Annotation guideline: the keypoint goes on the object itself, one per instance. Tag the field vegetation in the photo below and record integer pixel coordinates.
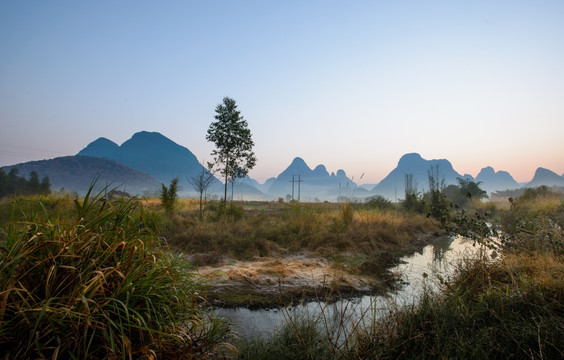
(108, 276)
(509, 306)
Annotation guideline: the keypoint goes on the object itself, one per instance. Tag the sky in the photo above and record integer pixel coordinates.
(353, 85)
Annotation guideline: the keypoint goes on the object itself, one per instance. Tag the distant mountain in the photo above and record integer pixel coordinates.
(266, 186)
(100, 147)
(78, 172)
(393, 185)
(367, 187)
(163, 159)
(151, 153)
(316, 183)
(494, 181)
(546, 177)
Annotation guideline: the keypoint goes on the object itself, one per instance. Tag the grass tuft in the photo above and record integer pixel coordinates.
(99, 284)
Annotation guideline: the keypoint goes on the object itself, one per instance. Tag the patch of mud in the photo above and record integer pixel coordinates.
(267, 282)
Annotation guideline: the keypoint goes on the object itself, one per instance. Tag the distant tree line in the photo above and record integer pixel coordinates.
(14, 184)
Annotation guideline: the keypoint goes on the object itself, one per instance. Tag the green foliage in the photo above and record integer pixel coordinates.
(224, 211)
(465, 191)
(13, 184)
(412, 201)
(98, 285)
(378, 202)
(234, 155)
(474, 226)
(169, 195)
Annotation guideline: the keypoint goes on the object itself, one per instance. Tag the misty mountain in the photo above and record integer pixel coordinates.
(163, 159)
(78, 172)
(393, 185)
(316, 183)
(151, 153)
(546, 177)
(100, 147)
(496, 180)
(266, 186)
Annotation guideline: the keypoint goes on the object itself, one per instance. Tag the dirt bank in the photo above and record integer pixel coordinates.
(268, 282)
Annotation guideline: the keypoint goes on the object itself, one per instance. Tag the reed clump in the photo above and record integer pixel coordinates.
(96, 283)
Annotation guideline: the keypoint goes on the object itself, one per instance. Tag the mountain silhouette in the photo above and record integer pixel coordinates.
(393, 185)
(151, 153)
(545, 177)
(163, 159)
(78, 172)
(492, 181)
(149, 158)
(100, 147)
(316, 183)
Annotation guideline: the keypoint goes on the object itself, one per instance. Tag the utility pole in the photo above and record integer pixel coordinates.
(299, 186)
(292, 181)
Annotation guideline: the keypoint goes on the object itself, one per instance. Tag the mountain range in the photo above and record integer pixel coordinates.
(147, 159)
(311, 184)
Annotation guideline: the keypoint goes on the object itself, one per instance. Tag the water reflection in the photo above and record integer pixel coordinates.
(417, 271)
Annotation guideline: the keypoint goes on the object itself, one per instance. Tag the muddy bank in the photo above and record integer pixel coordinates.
(284, 278)
(271, 282)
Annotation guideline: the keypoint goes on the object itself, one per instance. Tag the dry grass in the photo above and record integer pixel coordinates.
(511, 307)
(275, 229)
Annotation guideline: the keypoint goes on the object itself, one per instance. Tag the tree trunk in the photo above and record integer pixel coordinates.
(201, 206)
(225, 193)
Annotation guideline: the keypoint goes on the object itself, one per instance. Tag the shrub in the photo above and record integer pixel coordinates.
(378, 202)
(169, 195)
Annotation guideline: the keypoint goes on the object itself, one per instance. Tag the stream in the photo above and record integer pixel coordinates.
(417, 271)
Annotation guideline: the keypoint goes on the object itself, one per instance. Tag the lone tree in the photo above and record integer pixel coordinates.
(233, 156)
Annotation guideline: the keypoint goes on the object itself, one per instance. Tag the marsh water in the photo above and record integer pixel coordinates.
(419, 270)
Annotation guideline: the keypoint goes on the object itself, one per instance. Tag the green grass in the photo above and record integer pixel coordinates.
(96, 282)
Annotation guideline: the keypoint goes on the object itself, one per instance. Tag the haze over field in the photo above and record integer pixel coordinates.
(353, 85)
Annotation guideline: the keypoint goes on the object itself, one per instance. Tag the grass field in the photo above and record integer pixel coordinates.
(109, 278)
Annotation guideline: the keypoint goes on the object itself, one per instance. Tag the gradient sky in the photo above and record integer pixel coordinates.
(350, 84)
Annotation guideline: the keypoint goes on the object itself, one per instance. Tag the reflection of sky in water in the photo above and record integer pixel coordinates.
(432, 260)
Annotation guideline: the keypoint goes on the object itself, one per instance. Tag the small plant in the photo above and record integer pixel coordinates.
(169, 195)
(378, 202)
(201, 182)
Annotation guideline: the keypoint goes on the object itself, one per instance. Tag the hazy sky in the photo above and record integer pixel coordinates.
(350, 84)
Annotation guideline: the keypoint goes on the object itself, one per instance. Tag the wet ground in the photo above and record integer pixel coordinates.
(269, 282)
